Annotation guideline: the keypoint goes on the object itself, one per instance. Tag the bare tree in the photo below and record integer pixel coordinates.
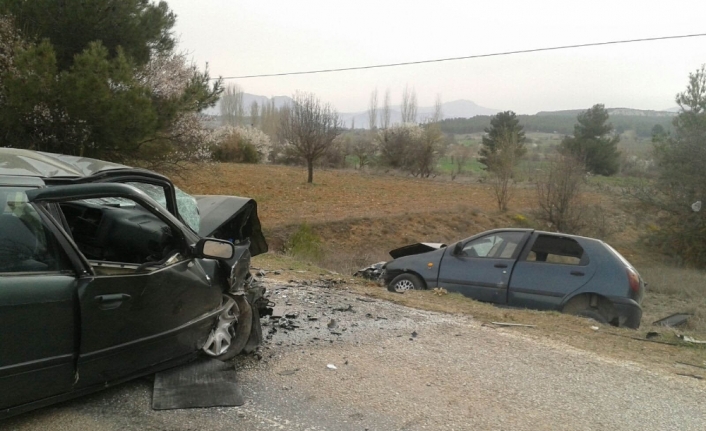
(270, 119)
(232, 111)
(501, 166)
(411, 148)
(373, 110)
(426, 153)
(409, 105)
(309, 128)
(559, 186)
(385, 113)
(460, 155)
(438, 110)
(254, 114)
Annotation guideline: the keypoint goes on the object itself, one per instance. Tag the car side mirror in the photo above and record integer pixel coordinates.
(458, 248)
(211, 248)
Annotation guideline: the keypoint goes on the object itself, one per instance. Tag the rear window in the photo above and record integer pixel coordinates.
(557, 249)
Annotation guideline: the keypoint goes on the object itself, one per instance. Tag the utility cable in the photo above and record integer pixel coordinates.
(439, 60)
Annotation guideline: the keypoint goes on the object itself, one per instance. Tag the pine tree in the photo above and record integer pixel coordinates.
(503, 125)
(594, 142)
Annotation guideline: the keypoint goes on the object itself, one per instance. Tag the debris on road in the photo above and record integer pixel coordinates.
(690, 375)
(513, 324)
(440, 291)
(365, 300)
(202, 383)
(691, 365)
(331, 367)
(692, 340)
(372, 272)
(677, 319)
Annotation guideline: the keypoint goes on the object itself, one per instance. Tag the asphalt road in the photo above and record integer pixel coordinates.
(403, 369)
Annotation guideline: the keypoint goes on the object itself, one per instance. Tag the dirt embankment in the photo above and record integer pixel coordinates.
(360, 216)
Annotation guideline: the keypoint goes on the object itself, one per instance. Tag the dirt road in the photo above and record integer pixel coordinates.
(402, 369)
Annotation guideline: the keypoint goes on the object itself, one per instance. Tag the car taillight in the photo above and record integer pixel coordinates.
(634, 280)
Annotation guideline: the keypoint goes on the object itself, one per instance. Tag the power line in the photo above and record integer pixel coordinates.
(439, 60)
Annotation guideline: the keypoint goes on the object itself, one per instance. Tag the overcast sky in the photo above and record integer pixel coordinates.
(271, 36)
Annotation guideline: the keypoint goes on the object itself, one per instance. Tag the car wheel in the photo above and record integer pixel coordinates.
(405, 282)
(593, 314)
(232, 330)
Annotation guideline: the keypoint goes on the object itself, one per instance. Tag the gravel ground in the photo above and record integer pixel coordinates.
(402, 369)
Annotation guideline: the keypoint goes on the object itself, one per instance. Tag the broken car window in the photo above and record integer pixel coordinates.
(557, 249)
(186, 204)
(126, 233)
(499, 245)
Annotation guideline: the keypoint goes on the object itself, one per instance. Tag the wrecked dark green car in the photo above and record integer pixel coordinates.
(108, 273)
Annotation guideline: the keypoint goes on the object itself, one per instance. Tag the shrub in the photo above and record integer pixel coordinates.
(304, 244)
(241, 145)
(559, 187)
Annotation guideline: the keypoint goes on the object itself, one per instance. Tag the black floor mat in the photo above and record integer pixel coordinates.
(203, 383)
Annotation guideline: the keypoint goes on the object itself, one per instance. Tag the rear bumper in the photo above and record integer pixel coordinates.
(628, 312)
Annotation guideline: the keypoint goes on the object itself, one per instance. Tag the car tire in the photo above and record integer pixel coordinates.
(242, 329)
(592, 314)
(405, 282)
(236, 321)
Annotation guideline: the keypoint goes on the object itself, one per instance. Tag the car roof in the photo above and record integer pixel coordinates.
(541, 232)
(28, 163)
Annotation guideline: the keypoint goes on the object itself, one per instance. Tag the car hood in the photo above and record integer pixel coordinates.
(231, 218)
(418, 248)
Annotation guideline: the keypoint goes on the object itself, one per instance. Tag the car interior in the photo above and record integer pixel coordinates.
(119, 235)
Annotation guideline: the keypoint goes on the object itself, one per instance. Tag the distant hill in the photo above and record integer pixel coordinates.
(455, 109)
(612, 111)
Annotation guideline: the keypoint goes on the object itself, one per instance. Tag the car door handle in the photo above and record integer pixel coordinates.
(111, 302)
(501, 265)
(577, 273)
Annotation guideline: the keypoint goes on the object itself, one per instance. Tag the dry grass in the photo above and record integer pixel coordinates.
(284, 198)
(673, 290)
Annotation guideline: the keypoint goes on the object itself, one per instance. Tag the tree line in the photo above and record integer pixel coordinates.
(310, 132)
(561, 124)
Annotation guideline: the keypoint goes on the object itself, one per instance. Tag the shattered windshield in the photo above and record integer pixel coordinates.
(186, 204)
